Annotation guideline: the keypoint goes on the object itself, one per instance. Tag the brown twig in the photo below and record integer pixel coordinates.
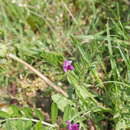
(58, 89)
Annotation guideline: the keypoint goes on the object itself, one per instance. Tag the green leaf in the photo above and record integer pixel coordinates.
(81, 90)
(3, 50)
(52, 58)
(28, 125)
(121, 125)
(61, 101)
(35, 22)
(27, 112)
(4, 114)
(54, 112)
(38, 126)
(39, 114)
(19, 124)
(67, 113)
(8, 125)
(15, 110)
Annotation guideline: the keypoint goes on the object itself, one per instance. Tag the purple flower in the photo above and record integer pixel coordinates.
(71, 126)
(67, 65)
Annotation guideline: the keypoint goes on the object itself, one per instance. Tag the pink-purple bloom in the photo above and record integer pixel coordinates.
(73, 126)
(68, 65)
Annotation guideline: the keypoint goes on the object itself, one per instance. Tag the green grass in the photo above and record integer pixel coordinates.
(94, 34)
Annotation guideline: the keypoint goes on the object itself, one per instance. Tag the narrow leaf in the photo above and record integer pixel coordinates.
(4, 114)
(54, 112)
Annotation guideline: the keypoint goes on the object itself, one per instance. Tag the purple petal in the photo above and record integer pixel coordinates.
(68, 122)
(70, 67)
(67, 65)
(65, 69)
(71, 126)
(75, 127)
(67, 62)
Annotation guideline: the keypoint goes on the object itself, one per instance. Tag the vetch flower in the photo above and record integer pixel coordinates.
(68, 65)
(71, 126)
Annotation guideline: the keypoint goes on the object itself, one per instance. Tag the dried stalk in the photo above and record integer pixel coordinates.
(50, 83)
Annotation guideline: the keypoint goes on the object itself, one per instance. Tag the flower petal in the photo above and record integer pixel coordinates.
(71, 126)
(70, 67)
(67, 65)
